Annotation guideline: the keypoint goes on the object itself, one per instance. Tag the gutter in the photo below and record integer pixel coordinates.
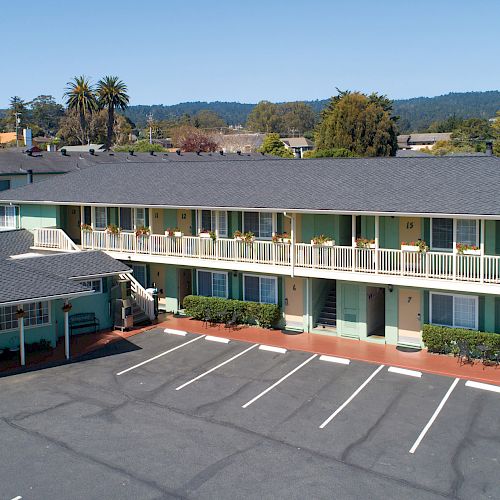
(49, 297)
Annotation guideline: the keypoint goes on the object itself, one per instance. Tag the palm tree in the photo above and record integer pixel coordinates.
(112, 94)
(80, 97)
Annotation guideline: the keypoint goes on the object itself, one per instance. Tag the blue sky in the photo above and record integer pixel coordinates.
(174, 51)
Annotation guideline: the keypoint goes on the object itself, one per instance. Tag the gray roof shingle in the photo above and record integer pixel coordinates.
(418, 185)
(15, 242)
(75, 264)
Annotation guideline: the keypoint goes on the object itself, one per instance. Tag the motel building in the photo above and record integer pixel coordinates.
(365, 248)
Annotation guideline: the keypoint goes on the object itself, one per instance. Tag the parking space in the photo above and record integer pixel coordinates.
(181, 412)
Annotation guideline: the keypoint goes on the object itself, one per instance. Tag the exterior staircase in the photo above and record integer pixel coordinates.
(140, 317)
(328, 316)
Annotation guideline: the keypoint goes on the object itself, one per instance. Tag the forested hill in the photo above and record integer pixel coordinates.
(416, 114)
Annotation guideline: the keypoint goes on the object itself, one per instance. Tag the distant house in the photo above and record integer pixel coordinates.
(298, 145)
(245, 143)
(421, 141)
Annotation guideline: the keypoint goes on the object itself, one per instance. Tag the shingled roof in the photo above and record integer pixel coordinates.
(422, 185)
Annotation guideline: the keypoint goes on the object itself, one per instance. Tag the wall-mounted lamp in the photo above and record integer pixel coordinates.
(390, 288)
(235, 274)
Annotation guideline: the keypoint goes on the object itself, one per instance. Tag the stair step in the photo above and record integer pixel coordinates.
(327, 323)
(328, 315)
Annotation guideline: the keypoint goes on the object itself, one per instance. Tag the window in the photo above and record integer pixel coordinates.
(259, 223)
(96, 284)
(442, 234)
(37, 313)
(140, 217)
(126, 219)
(260, 289)
(4, 185)
(213, 220)
(101, 217)
(467, 232)
(8, 216)
(87, 215)
(459, 311)
(212, 284)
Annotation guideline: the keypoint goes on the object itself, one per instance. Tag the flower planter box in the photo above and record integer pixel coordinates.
(204, 235)
(471, 252)
(178, 234)
(330, 243)
(286, 240)
(410, 248)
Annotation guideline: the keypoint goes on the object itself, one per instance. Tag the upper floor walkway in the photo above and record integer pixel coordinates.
(471, 271)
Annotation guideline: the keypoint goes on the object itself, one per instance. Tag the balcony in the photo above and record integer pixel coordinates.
(442, 270)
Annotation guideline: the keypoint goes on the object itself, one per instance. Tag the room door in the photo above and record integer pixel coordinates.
(409, 323)
(74, 223)
(410, 229)
(185, 284)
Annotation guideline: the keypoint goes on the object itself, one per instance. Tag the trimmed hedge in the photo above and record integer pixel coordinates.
(265, 315)
(443, 339)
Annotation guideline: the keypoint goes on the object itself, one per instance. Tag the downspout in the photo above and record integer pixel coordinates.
(292, 244)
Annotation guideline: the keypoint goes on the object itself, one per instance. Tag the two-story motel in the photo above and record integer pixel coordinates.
(381, 291)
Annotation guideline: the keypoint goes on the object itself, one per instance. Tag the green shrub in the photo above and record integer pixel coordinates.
(443, 339)
(265, 315)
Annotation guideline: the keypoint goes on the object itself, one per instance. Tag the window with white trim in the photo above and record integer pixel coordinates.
(261, 224)
(100, 217)
(212, 284)
(8, 216)
(458, 311)
(126, 220)
(37, 314)
(95, 285)
(442, 233)
(213, 220)
(140, 217)
(260, 289)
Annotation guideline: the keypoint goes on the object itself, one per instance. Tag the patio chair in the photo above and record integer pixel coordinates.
(232, 321)
(464, 352)
(207, 318)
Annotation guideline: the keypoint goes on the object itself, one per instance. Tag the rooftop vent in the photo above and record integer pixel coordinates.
(489, 148)
(198, 152)
(178, 152)
(63, 152)
(152, 153)
(29, 152)
(29, 176)
(92, 151)
(131, 152)
(238, 152)
(221, 152)
(262, 153)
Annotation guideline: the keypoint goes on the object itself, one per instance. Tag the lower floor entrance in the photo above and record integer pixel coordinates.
(409, 316)
(375, 311)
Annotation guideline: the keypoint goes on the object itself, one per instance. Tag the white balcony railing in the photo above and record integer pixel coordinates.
(54, 239)
(431, 265)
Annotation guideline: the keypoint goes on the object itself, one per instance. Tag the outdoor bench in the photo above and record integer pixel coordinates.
(83, 320)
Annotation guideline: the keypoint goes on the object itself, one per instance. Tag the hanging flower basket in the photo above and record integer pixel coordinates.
(20, 313)
(67, 307)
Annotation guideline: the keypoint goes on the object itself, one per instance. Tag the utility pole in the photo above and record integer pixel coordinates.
(150, 121)
(18, 121)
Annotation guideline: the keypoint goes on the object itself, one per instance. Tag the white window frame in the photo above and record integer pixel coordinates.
(135, 218)
(454, 234)
(16, 217)
(94, 219)
(454, 295)
(143, 266)
(25, 307)
(214, 217)
(90, 284)
(260, 276)
(273, 228)
(132, 216)
(198, 271)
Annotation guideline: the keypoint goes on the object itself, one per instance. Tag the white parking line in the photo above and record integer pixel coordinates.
(271, 348)
(404, 371)
(216, 367)
(270, 388)
(172, 331)
(434, 416)
(484, 387)
(17, 498)
(334, 359)
(159, 355)
(355, 393)
(217, 339)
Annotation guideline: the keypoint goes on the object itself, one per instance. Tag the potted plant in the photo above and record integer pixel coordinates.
(204, 233)
(365, 243)
(112, 229)
(414, 246)
(464, 249)
(281, 238)
(86, 228)
(142, 231)
(20, 313)
(169, 232)
(248, 237)
(322, 240)
(67, 307)
(238, 235)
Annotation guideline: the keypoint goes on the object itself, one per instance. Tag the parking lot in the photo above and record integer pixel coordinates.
(164, 415)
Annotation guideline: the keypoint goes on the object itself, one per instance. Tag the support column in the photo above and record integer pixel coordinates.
(66, 333)
(353, 242)
(292, 247)
(481, 246)
(21, 339)
(377, 242)
(455, 258)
